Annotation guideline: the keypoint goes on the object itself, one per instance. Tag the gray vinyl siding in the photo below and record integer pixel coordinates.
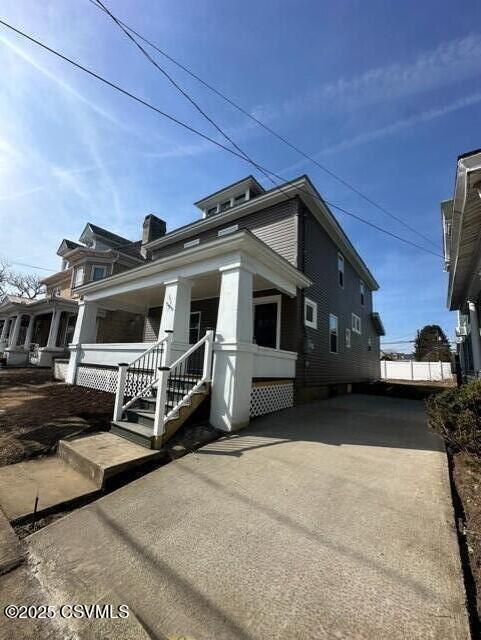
(317, 365)
(208, 318)
(276, 226)
(120, 326)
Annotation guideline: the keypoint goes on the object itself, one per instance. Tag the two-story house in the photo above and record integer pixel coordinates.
(461, 222)
(36, 331)
(266, 280)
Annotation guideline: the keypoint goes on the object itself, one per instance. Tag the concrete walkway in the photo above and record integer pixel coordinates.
(332, 520)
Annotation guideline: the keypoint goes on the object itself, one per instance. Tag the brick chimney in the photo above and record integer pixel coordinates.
(152, 229)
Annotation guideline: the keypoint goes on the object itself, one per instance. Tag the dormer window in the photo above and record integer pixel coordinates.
(240, 198)
(230, 196)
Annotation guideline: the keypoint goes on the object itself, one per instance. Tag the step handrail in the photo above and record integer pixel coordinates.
(125, 368)
(189, 351)
(161, 415)
(152, 346)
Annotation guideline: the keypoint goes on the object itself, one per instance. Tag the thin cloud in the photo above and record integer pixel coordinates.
(443, 65)
(61, 83)
(390, 129)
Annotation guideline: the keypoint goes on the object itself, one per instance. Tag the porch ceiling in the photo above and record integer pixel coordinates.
(203, 287)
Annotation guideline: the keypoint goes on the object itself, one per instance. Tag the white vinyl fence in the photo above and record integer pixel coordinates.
(411, 370)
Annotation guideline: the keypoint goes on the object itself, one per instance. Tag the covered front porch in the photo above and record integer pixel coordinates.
(234, 287)
(34, 332)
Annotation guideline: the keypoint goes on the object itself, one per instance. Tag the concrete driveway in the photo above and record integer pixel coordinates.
(331, 520)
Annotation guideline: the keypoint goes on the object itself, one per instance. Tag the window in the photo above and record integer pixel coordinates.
(348, 338)
(194, 327)
(227, 230)
(340, 269)
(225, 205)
(99, 271)
(212, 210)
(78, 276)
(362, 291)
(333, 333)
(310, 313)
(240, 198)
(56, 291)
(191, 243)
(267, 321)
(369, 344)
(356, 323)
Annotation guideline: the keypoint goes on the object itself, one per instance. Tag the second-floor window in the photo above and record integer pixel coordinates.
(340, 269)
(333, 333)
(99, 271)
(356, 323)
(362, 291)
(78, 276)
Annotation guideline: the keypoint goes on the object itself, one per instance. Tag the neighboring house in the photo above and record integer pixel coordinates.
(268, 277)
(37, 331)
(396, 355)
(461, 220)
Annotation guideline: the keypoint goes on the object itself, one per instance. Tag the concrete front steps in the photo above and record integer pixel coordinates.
(79, 471)
(138, 425)
(104, 455)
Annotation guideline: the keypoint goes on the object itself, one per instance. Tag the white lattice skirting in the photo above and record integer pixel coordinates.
(270, 398)
(99, 378)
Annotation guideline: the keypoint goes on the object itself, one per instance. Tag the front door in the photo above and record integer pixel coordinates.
(265, 324)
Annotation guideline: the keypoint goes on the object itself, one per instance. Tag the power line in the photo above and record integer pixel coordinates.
(31, 266)
(259, 122)
(203, 135)
(102, 6)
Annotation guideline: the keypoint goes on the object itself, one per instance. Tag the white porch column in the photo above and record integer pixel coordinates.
(3, 336)
(16, 330)
(85, 332)
(233, 359)
(475, 338)
(176, 310)
(54, 325)
(29, 334)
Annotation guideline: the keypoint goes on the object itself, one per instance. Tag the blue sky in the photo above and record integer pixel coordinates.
(386, 94)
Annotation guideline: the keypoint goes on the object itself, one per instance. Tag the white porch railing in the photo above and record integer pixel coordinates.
(174, 383)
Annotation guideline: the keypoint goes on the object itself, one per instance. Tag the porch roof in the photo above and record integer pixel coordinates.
(16, 304)
(241, 247)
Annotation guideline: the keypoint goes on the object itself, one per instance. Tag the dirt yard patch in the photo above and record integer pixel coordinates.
(466, 473)
(36, 412)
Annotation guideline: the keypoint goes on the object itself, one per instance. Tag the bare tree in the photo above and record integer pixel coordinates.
(4, 272)
(27, 285)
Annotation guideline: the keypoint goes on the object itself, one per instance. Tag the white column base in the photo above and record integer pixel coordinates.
(16, 357)
(72, 364)
(231, 386)
(45, 356)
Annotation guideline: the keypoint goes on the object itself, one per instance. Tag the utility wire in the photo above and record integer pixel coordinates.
(124, 30)
(203, 135)
(259, 122)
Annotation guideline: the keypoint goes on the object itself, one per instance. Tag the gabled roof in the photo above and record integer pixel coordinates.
(93, 229)
(67, 245)
(301, 187)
